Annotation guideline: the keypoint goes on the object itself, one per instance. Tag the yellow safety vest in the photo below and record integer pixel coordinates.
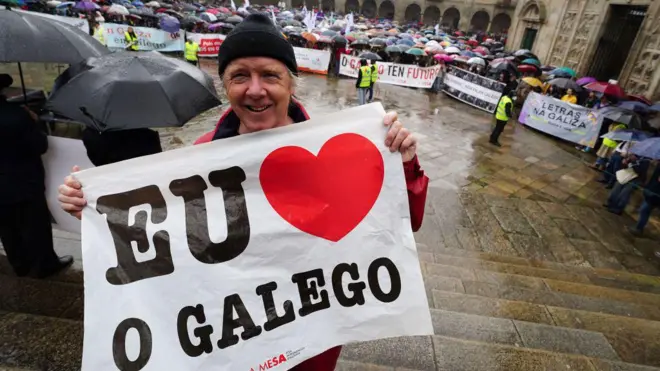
(366, 77)
(131, 39)
(191, 51)
(500, 114)
(374, 73)
(609, 142)
(98, 35)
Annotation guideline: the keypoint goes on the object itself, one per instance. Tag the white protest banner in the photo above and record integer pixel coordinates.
(250, 253)
(312, 60)
(563, 120)
(79, 23)
(209, 43)
(62, 155)
(393, 73)
(473, 89)
(148, 38)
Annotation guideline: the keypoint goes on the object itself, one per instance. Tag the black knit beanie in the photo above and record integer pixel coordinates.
(256, 36)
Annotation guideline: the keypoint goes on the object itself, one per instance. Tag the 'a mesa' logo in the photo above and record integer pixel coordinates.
(270, 363)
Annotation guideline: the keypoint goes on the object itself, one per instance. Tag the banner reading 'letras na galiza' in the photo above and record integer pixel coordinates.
(393, 73)
(567, 121)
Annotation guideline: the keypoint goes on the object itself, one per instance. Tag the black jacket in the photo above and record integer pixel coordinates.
(115, 146)
(22, 143)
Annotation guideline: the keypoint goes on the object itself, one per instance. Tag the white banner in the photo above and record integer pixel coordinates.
(563, 120)
(312, 60)
(473, 89)
(79, 23)
(148, 38)
(209, 43)
(250, 253)
(62, 155)
(392, 73)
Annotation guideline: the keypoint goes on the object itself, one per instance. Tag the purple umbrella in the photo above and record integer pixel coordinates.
(169, 24)
(215, 26)
(585, 80)
(87, 6)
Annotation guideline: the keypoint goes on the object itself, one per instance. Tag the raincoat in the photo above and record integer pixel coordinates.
(416, 183)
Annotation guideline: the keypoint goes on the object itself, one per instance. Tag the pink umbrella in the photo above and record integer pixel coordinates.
(443, 57)
(213, 11)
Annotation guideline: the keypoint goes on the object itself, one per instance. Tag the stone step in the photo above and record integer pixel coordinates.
(554, 287)
(512, 265)
(451, 354)
(30, 342)
(635, 340)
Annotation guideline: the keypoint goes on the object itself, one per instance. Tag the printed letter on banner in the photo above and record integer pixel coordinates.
(254, 252)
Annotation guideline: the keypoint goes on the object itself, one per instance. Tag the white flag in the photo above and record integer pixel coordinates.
(304, 9)
(233, 5)
(247, 3)
(437, 30)
(272, 14)
(349, 23)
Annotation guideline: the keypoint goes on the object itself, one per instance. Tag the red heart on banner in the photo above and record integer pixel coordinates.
(326, 195)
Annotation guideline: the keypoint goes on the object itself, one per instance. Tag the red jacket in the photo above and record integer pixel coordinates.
(416, 182)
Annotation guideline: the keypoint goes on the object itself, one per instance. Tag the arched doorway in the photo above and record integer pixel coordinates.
(480, 21)
(500, 23)
(352, 6)
(530, 19)
(369, 8)
(328, 5)
(413, 13)
(451, 17)
(386, 10)
(431, 15)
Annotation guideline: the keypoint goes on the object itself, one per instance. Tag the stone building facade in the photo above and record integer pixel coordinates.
(615, 39)
(485, 15)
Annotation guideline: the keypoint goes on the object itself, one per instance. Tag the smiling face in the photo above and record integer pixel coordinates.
(569, 92)
(259, 90)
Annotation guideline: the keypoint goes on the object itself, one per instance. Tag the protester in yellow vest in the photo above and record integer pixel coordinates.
(98, 33)
(363, 81)
(569, 97)
(374, 78)
(191, 49)
(131, 39)
(607, 148)
(503, 113)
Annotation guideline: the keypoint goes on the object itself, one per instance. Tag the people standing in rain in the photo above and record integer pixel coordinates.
(259, 71)
(503, 113)
(553, 92)
(607, 148)
(190, 52)
(363, 81)
(651, 201)
(592, 101)
(99, 34)
(25, 222)
(569, 97)
(620, 194)
(374, 78)
(131, 39)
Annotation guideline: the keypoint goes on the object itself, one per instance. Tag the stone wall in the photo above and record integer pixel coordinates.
(569, 31)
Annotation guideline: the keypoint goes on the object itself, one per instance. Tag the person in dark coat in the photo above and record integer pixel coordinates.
(651, 201)
(25, 221)
(115, 146)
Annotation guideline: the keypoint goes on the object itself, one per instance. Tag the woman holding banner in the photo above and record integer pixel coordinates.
(258, 70)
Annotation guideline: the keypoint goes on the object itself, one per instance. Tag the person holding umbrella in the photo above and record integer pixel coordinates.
(258, 70)
(374, 78)
(131, 40)
(25, 224)
(191, 50)
(363, 82)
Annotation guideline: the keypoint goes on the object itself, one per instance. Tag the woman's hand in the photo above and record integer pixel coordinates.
(399, 138)
(71, 197)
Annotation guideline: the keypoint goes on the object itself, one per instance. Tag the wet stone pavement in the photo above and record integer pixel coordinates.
(524, 269)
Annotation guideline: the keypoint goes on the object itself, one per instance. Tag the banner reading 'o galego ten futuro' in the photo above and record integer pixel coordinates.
(250, 253)
(393, 73)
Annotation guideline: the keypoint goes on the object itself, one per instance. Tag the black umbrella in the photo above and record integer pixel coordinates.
(565, 84)
(191, 20)
(377, 42)
(339, 40)
(624, 116)
(234, 19)
(503, 66)
(126, 90)
(28, 38)
(370, 56)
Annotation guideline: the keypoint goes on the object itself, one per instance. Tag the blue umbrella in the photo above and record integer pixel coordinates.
(138, 3)
(627, 135)
(638, 107)
(655, 107)
(169, 24)
(648, 148)
(407, 42)
(65, 4)
(560, 73)
(469, 54)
